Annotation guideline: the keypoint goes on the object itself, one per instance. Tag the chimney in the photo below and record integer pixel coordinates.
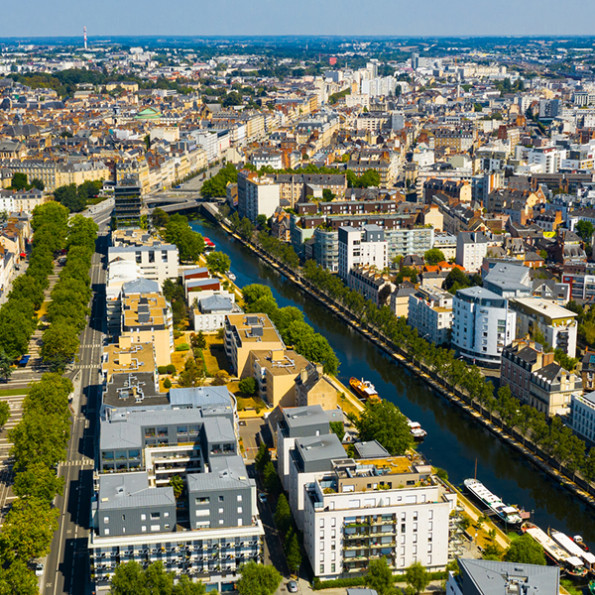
(304, 375)
(548, 358)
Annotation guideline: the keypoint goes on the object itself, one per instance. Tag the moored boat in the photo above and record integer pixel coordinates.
(572, 565)
(364, 389)
(574, 549)
(417, 431)
(578, 539)
(509, 514)
(209, 246)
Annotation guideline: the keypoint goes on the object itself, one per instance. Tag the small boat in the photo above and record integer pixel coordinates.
(231, 276)
(209, 246)
(572, 565)
(364, 389)
(417, 431)
(509, 514)
(579, 541)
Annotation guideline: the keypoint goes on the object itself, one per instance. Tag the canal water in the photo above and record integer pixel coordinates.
(454, 442)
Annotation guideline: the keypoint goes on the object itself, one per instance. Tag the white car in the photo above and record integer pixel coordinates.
(39, 569)
(262, 498)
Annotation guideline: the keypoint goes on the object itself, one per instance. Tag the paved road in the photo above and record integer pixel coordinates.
(67, 566)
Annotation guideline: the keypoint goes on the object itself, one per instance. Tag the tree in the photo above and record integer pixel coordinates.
(417, 577)
(17, 577)
(282, 514)
(384, 422)
(218, 262)
(191, 375)
(185, 586)
(255, 291)
(197, 340)
(38, 481)
(584, 230)
(5, 365)
(159, 217)
(70, 198)
(263, 456)
(128, 579)
(257, 579)
(327, 194)
(434, 256)
(270, 478)
(60, 343)
(177, 483)
(19, 181)
(262, 221)
(38, 184)
(246, 229)
(491, 552)
(248, 386)
(525, 550)
(456, 280)
(28, 529)
(293, 552)
(4, 413)
(338, 428)
(380, 577)
(190, 243)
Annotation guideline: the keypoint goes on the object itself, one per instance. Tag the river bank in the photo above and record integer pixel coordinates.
(536, 458)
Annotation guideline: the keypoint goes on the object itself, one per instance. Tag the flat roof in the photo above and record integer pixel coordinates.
(544, 307)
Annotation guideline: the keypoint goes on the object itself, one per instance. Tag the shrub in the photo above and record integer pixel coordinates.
(171, 369)
(167, 383)
(162, 370)
(182, 347)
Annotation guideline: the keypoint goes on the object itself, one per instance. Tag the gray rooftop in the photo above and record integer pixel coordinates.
(488, 577)
(320, 448)
(131, 490)
(218, 429)
(215, 303)
(370, 450)
(140, 286)
(212, 400)
(226, 472)
(506, 277)
(296, 417)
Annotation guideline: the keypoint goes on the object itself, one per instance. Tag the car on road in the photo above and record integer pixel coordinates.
(262, 498)
(292, 586)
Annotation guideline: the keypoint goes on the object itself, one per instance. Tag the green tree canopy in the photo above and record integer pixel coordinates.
(60, 343)
(282, 514)
(218, 262)
(584, 230)
(255, 291)
(39, 482)
(257, 579)
(380, 577)
(417, 577)
(190, 243)
(434, 256)
(384, 422)
(248, 386)
(19, 181)
(525, 550)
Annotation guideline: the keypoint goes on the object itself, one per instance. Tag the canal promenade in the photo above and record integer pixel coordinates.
(537, 458)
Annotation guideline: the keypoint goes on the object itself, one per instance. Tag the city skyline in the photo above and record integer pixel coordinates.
(267, 17)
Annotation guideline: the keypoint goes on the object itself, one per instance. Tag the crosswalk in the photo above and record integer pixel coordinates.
(84, 462)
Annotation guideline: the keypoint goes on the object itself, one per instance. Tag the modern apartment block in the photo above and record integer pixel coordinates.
(257, 195)
(482, 326)
(557, 324)
(245, 333)
(430, 312)
(472, 247)
(582, 415)
(128, 205)
(208, 531)
(157, 263)
(365, 246)
(352, 510)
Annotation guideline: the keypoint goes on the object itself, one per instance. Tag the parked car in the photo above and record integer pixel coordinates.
(262, 498)
(39, 569)
(292, 586)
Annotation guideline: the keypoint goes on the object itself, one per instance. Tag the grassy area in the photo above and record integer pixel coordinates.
(13, 392)
(214, 355)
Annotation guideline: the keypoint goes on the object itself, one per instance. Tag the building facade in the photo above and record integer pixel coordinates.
(430, 312)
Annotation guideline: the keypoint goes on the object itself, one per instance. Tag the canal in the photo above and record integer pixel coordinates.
(454, 442)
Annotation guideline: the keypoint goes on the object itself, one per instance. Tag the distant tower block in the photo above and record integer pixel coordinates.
(85, 35)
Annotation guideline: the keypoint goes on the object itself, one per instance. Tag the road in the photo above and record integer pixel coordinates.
(67, 566)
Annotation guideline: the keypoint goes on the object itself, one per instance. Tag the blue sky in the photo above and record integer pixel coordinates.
(308, 17)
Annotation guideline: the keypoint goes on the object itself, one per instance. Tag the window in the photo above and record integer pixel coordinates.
(155, 515)
(143, 528)
(143, 517)
(321, 568)
(240, 510)
(221, 511)
(106, 531)
(155, 527)
(106, 519)
(239, 498)
(221, 498)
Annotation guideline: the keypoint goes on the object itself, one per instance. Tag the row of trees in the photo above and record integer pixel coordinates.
(177, 231)
(132, 578)
(20, 182)
(39, 443)
(531, 425)
(69, 308)
(17, 315)
(290, 324)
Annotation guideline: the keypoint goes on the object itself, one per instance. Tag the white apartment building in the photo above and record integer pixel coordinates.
(430, 312)
(157, 263)
(582, 415)
(262, 197)
(557, 324)
(472, 248)
(482, 326)
(365, 246)
(353, 510)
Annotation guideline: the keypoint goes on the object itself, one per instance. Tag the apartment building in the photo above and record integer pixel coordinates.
(482, 326)
(125, 357)
(245, 333)
(147, 318)
(472, 248)
(352, 510)
(119, 272)
(365, 246)
(557, 324)
(213, 527)
(156, 262)
(128, 205)
(210, 310)
(276, 371)
(372, 284)
(430, 312)
(582, 415)
(536, 379)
